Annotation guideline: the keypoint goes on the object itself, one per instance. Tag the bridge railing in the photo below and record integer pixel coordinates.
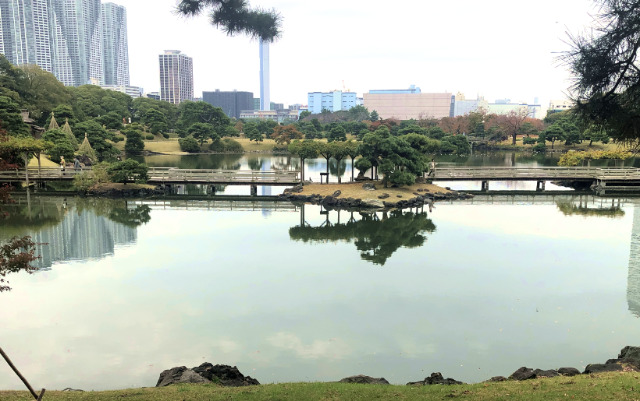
(42, 173)
(169, 174)
(536, 172)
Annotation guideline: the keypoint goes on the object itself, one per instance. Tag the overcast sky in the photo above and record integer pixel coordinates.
(494, 48)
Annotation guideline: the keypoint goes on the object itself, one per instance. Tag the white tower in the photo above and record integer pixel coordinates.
(265, 90)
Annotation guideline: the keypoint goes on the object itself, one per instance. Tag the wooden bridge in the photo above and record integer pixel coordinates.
(169, 175)
(618, 179)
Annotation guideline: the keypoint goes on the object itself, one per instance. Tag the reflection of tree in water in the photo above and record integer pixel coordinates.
(31, 217)
(377, 238)
(131, 217)
(633, 278)
(255, 163)
(569, 209)
(337, 170)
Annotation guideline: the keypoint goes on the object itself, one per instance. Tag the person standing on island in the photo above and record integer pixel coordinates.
(432, 168)
(76, 164)
(62, 164)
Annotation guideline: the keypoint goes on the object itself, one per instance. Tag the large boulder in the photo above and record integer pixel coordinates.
(435, 378)
(546, 373)
(568, 371)
(523, 373)
(179, 375)
(602, 367)
(226, 375)
(630, 355)
(362, 379)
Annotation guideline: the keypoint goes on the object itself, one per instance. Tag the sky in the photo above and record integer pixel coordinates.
(495, 48)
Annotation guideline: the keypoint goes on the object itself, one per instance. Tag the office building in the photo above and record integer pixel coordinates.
(280, 116)
(231, 102)
(265, 88)
(506, 106)
(176, 77)
(331, 101)
(406, 104)
(556, 106)
(115, 45)
(133, 91)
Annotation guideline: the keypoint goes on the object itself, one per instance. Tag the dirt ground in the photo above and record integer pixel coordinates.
(355, 190)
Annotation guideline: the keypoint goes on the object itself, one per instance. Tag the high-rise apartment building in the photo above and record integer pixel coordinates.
(67, 38)
(265, 88)
(176, 77)
(331, 101)
(115, 45)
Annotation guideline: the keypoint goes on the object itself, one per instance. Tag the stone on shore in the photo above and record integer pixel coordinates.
(179, 375)
(602, 367)
(568, 371)
(435, 378)
(523, 373)
(224, 375)
(362, 379)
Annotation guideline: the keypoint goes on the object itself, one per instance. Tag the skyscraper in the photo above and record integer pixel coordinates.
(176, 77)
(115, 45)
(65, 37)
(265, 89)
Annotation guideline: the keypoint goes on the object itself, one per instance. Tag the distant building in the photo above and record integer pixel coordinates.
(504, 106)
(331, 101)
(560, 105)
(115, 45)
(153, 95)
(256, 103)
(279, 116)
(133, 91)
(406, 104)
(176, 77)
(231, 102)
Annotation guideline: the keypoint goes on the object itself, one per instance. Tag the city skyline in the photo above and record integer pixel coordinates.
(492, 49)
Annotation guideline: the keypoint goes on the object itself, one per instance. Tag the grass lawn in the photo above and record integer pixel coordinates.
(607, 386)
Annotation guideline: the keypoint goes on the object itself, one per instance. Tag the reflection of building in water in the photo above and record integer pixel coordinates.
(82, 235)
(266, 190)
(633, 280)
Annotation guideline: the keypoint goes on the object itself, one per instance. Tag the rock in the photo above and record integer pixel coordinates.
(383, 196)
(369, 186)
(373, 203)
(72, 389)
(435, 378)
(362, 379)
(179, 375)
(226, 375)
(546, 373)
(497, 379)
(399, 196)
(568, 371)
(602, 367)
(630, 355)
(523, 373)
(337, 193)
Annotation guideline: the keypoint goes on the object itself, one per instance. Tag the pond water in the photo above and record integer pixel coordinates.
(472, 289)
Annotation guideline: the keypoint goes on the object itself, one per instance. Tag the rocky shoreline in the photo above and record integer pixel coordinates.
(380, 201)
(628, 360)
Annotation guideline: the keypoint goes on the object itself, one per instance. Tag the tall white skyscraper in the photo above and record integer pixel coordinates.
(67, 38)
(265, 89)
(115, 45)
(176, 77)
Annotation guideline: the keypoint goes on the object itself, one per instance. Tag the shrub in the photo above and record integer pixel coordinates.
(529, 140)
(87, 179)
(189, 144)
(128, 171)
(149, 137)
(118, 138)
(165, 135)
(540, 147)
(226, 145)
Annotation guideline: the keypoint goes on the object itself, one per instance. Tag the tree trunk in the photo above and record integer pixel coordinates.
(301, 169)
(26, 168)
(514, 138)
(352, 167)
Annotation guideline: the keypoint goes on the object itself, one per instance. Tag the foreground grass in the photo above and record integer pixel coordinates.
(610, 386)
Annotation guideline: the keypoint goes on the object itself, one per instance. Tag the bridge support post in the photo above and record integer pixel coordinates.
(540, 185)
(485, 186)
(254, 190)
(212, 189)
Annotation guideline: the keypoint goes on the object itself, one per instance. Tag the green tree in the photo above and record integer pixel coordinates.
(339, 152)
(134, 144)
(201, 112)
(374, 116)
(60, 145)
(128, 171)
(604, 62)
(98, 137)
(304, 114)
(304, 150)
(41, 92)
(111, 120)
(553, 133)
(337, 133)
(352, 149)
(202, 132)
(235, 17)
(251, 131)
(11, 118)
(326, 151)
